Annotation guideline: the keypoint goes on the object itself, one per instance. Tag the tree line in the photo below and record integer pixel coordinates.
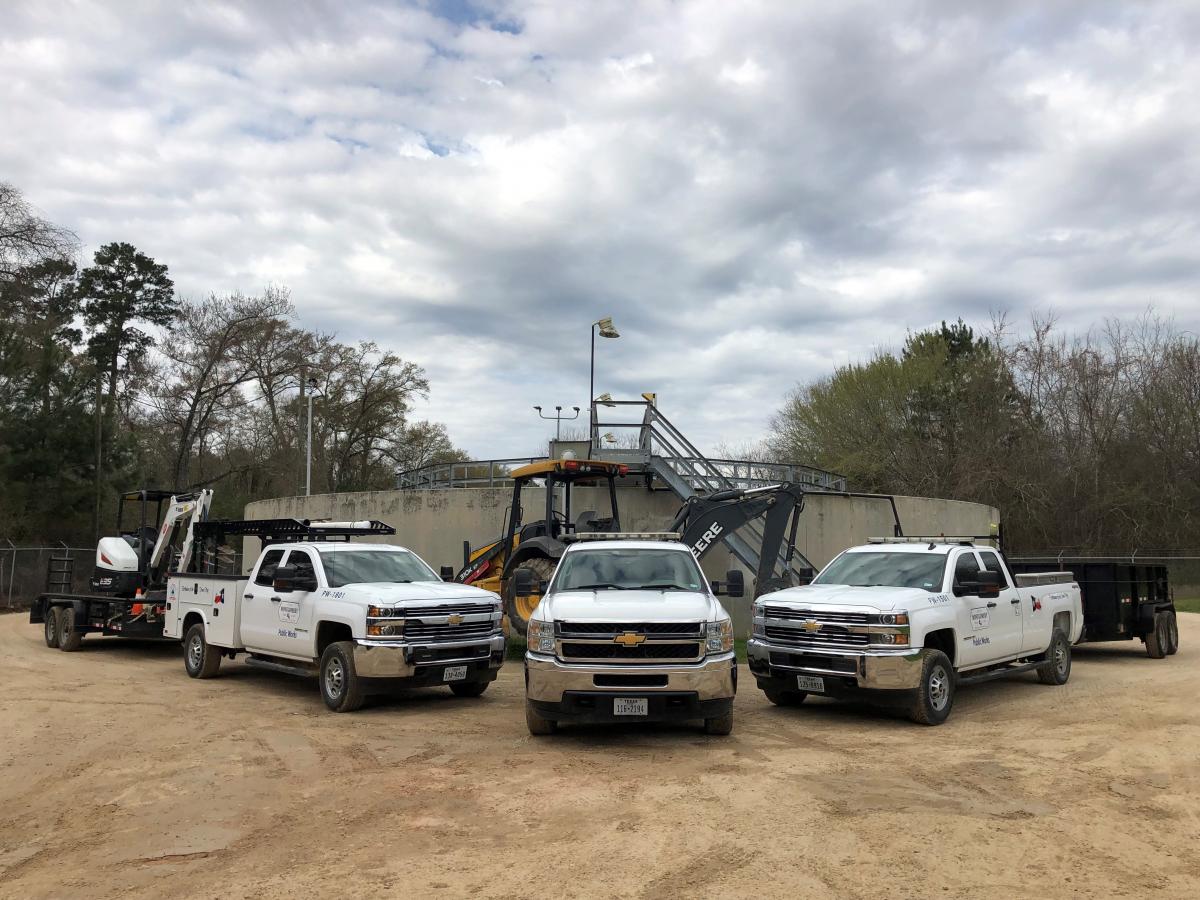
(110, 381)
(1088, 442)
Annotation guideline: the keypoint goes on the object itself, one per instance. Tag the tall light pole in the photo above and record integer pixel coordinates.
(606, 331)
(558, 418)
(312, 389)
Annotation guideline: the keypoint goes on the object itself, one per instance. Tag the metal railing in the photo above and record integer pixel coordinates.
(476, 473)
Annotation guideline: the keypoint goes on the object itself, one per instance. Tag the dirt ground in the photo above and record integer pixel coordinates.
(120, 776)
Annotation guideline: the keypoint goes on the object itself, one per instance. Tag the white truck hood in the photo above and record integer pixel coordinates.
(881, 598)
(417, 593)
(630, 606)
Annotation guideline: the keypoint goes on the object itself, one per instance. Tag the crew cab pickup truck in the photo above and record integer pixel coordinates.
(911, 621)
(363, 617)
(628, 630)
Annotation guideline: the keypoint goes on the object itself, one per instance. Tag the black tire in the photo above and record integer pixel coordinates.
(785, 698)
(722, 724)
(542, 569)
(1057, 667)
(68, 638)
(935, 695)
(50, 627)
(1156, 640)
(200, 658)
(536, 723)
(469, 688)
(341, 688)
(1172, 634)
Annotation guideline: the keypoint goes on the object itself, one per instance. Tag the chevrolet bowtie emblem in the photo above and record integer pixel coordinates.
(810, 625)
(454, 619)
(629, 639)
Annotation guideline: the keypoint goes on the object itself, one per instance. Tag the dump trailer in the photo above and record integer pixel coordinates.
(1124, 597)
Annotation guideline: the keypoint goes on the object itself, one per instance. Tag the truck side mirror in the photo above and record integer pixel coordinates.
(989, 584)
(447, 573)
(733, 586)
(525, 584)
(284, 579)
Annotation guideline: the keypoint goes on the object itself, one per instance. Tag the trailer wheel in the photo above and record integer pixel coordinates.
(200, 658)
(1057, 667)
(1172, 634)
(51, 626)
(935, 695)
(786, 698)
(1156, 640)
(536, 723)
(469, 688)
(341, 688)
(68, 638)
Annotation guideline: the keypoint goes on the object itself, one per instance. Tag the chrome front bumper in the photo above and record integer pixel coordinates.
(893, 670)
(397, 659)
(546, 678)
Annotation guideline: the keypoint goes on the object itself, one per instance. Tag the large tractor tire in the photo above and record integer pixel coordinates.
(519, 609)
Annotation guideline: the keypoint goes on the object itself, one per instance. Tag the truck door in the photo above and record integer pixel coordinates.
(1035, 626)
(294, 635)
(259, 616)
(988, 630)
(1009, 611)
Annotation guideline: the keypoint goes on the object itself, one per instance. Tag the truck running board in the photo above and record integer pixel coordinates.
(998, 673)
(288, 668)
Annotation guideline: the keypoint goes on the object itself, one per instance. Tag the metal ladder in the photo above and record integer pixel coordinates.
(60, 573)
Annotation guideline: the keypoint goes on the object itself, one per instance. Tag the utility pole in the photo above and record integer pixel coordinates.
(312, 389)
(99, 457)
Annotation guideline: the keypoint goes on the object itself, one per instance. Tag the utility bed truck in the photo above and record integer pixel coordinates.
(629, 630)
(910, 620)
(361, 617)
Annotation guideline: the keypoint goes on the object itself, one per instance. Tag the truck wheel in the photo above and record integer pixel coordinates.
(200, 658)
(1156, 640)
(722, 724)
(536, 723)
(519, 609)
(68, 638)
(1172, 634)
(469, 688)
(785, 698)
(341, 688)
(935, 695)
(51, 627)
(1057, 667)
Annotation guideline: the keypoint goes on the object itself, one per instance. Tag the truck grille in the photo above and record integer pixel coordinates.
(419, 631)
(828, 636)
(446, 609)
(825, 618)
(651, 651)
(612, 629)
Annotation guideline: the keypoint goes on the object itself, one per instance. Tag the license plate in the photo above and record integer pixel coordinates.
(454, 673)
(810, 683)
(627, 706)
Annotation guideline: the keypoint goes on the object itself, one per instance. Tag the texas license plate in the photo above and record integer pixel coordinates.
(454, 673)
(630, 706)
(810, 683)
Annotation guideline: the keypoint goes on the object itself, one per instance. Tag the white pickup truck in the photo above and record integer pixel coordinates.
(912, 620)
(629, 630)
(364, 617)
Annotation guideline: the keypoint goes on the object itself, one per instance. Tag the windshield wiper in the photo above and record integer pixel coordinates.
(670, 586)
(601, 586)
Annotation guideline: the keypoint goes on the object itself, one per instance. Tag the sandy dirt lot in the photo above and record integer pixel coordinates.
(120, 776)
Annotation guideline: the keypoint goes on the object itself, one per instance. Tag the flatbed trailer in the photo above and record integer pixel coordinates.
(67, 618)
(1124, 597)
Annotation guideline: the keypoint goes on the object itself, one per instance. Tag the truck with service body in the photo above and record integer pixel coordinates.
(629, 630)
(908, 620)
(362, 617)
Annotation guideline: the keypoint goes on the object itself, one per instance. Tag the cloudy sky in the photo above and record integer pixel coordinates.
(755, 191)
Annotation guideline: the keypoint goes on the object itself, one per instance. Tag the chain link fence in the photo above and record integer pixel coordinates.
(23, 571)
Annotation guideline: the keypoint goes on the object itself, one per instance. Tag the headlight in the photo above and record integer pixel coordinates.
(893, 619)
(385, 628)
(720, 636)
(540, 636)
(899, 640)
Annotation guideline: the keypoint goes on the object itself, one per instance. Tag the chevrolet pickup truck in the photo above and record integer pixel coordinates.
(910, 621)
(362, 617)
(629, 630)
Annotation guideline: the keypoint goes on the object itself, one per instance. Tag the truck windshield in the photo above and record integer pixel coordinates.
(628, 569)
(375, 567)
(907, 570)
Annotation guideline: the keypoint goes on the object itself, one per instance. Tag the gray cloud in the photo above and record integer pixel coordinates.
(757, 192)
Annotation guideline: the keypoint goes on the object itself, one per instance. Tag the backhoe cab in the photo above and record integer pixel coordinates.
(538, 545)
(138, 558)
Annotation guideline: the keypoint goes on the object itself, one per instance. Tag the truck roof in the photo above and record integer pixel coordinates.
(334, 546)
(916, 546)
(626, 545)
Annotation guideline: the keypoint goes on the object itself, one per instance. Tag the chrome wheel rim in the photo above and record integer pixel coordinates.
(939, 688)
(1060, 656)
(335, 677)
(195, 651)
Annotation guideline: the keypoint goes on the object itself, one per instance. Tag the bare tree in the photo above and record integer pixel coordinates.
(25, 237)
